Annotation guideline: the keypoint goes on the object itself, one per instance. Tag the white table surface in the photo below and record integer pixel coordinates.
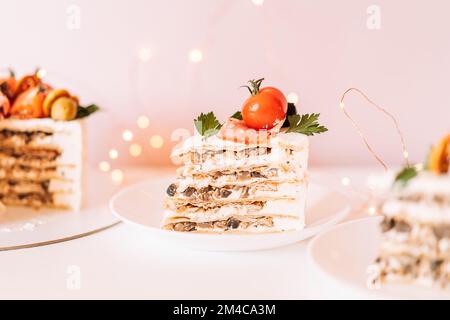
(124, 262)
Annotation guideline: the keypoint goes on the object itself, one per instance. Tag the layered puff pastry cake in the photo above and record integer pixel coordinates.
(248, 175)
(42, 145)
(415, 245)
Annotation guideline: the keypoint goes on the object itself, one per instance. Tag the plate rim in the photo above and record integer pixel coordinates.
(371, 294)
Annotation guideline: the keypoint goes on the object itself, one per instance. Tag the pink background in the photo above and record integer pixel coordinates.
(314, 48)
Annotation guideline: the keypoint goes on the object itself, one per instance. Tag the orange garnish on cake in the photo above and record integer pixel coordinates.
(439, 158)
(8, 85)
(32, 98)
(29, 103)
(25, 83)
(5, 105)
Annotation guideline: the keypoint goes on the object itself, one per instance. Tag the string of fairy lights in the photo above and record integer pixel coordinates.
(136, 149)
(371, 204)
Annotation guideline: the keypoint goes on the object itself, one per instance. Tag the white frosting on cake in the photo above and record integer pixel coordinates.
(282, 140)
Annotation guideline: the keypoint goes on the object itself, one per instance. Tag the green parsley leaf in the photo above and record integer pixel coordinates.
(207, 124)
(83, 112)
(306, 124)
(405, 175)
(237, 115)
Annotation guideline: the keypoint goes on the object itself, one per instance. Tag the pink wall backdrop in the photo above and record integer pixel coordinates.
(314, 48)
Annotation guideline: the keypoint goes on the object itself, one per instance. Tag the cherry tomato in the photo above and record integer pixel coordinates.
(265, 108)
(8, 85)
(277, 94)
(29, 104)
(5, 105)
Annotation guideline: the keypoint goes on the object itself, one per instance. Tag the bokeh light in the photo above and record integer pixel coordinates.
(104, 166)
(258, 2)
(292, 98)
(113, 154)
(156, 141)
(135, 150)
(145, 54)
(117, 176)
(127, 135)
(196, 55)
(143, 122)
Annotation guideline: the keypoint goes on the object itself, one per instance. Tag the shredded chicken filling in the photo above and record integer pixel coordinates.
(30, 199)
(229, 224)
(399, 225)
(25, 136)
(31, 153)
(198, 157)
(218, 193)
(411, 267)
(212, 208)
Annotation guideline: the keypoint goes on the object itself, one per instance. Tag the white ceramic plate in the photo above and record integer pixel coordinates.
(22, 227)
(344, 252)
(142, 205)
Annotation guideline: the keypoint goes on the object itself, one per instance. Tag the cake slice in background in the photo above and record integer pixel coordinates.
(42, 145)
(415, 245)
(42, 163)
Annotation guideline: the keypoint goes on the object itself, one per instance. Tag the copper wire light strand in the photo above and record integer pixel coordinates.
(358, 129)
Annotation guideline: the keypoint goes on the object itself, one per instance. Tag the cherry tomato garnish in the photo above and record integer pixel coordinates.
(266, 107)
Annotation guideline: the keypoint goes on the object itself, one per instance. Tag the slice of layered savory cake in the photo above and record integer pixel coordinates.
(224, 186)
(415, 246)
(246, 176)
(42, 144)
(42, 163)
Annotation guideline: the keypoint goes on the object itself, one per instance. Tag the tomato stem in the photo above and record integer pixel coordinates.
(12, 74)
(254, 86)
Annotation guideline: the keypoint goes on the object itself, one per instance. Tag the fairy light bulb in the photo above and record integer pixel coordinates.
(135, 150)
(113, 154)
(196, 56)
(406, 154)
(292, 98)
(345, 181)
(104, 166)
(117, 176)
(342, 105)
(258, 2)
(156, 141)
(145, 54)
(41, 73)
(127, 135)
(143, 122)
(372, 210)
